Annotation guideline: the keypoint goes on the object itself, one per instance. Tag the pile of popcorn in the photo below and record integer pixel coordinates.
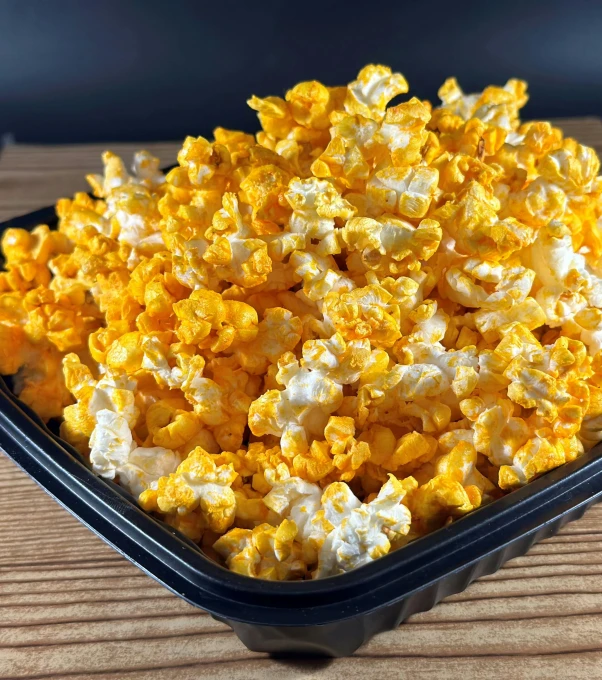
(305, 348)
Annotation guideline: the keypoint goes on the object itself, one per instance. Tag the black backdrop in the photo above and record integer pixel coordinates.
(102, 70)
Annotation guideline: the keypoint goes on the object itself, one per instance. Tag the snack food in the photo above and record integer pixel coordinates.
(306, 349)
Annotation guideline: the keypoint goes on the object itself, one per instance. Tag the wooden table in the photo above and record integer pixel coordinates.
(70, 607)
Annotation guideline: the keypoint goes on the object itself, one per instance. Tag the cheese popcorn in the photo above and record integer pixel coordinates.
(266, 552)
(366, 533)
(197, 482)
(306, 347)
(114, 454)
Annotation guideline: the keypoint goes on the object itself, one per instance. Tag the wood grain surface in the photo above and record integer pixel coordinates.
(71, 607)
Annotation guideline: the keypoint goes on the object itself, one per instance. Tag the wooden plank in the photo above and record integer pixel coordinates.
(33, 177)
(71, 607)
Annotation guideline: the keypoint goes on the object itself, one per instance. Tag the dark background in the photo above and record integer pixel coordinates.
(105, 70)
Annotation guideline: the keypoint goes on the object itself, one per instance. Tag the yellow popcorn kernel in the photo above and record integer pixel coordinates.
(466, 338)
(221, 401)
(202, 160)
(126, 353)
(495, 105)
(37, 246)
(263, 188)
(382, 443)
(64, 322)
(192, 525)
(406, 191)
(315, 464)
(24, 277)
(260, 457)
(457, 172)
(492, 323)
(351, 462)
(339, 432)
(277, 333)
(498, 433)
(310, 395)
(572, 168)
(342, 160)
(371, 92)
(14, 348)
(250, 508)
(82, 217)
(473, 221)
(263, 552)
(461, 464)
(412, 450)
(537, 204)
(316, 203)
(320, 275)
(170, 424)
(234, 252)
(540, 137)
(115, 175)
(310, 104)
(39, 383)
(368, 312)
(208, 321)
(146, 271)
(113, 297)
(205, 439)
(274, 115)
(197, 482)
(538, 455)
(433, 503)
(390, 244)
(403, 131)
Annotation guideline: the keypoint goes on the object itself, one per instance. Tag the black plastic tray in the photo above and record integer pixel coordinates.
(333, 616)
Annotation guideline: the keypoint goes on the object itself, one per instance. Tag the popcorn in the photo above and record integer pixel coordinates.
(38, 381)
(498, 433)
(472, 221)
(63, 319)
(197, 482)
(573, 167)
(372, 312)
(132, 202)
(277, 333)
(209, 322)
(363, 535)
(461, 464)
(111, 392)
(295, 499)
(403, 131)
(433, 503)
(371, 92)
(403, 190)
(320, 275)
(307, 347)
(298, 410)
(316, 204)
(221, 402)
(264, 552)
(391, 245)
(567, 283)
(538, 455)
(170, 425)
(113, 454)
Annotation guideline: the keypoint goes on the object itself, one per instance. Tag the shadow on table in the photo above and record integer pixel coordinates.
(303, 663)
